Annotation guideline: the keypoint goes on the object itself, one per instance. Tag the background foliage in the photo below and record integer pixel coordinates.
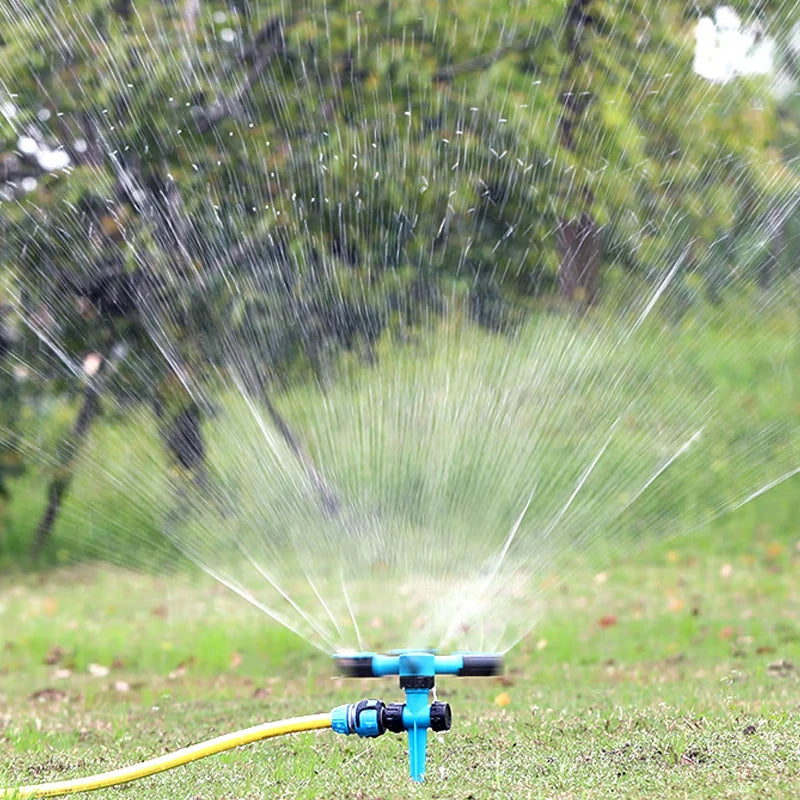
(302, 180)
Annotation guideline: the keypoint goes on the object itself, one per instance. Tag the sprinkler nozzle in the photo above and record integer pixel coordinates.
(375, 665)
(417, 670)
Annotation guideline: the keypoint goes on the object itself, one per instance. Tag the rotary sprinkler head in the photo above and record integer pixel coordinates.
(417, 670)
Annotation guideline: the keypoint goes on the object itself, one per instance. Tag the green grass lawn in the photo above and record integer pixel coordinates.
(671, 674)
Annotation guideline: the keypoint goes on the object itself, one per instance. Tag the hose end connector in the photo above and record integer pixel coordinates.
(364, 718)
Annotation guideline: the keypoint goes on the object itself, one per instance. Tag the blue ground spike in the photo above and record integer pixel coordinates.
(417, 670)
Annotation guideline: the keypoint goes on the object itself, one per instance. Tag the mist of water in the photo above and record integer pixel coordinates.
(421, 488)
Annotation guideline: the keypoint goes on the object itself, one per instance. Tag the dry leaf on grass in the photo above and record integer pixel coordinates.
(54, 655)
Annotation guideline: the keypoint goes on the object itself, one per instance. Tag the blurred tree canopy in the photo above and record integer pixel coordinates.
(184, 178)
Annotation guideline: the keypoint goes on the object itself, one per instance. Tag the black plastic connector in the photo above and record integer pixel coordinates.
(392, 717)
(441, 717)
(417, 682)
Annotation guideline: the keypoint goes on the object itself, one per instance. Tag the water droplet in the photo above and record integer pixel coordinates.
(27, 145)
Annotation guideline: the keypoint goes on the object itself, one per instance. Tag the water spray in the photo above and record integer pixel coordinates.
(417, 670)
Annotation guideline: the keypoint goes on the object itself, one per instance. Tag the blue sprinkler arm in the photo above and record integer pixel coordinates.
(417, 670)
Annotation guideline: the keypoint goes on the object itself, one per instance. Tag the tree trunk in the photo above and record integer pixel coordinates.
(123, 8)
(327, 496)
(184, 439)
(90, 409)
(579, 238)
(777, 244)
(580, 248)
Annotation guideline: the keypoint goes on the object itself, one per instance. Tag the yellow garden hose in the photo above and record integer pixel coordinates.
(162, 763)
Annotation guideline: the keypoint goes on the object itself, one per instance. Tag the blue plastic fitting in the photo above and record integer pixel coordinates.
(364, 718)
(417, 670)
(417, 720)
